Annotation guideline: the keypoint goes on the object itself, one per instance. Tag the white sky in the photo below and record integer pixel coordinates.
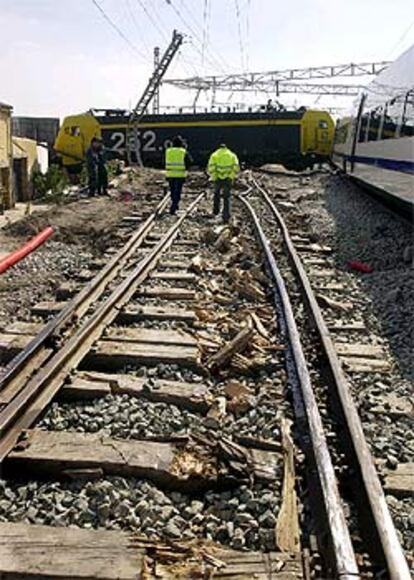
(59, 57)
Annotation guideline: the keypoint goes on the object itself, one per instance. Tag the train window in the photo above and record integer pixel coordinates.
(363, 128)
(75, 131)
(374, 123)
(323, 125)
(407, 126)
(392, 118)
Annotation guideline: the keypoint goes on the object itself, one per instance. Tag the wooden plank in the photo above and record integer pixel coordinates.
(154, 336)
(335, 286)
(361, 365)
(258, 566)
(287, 526)
(400, 481)
(133, 314)
(40, 552)
(52, 452)
(192, 396)
(234, 346)
(173, 264)
(167, 293)
(265, 464)
(67, 290)
(178, 275)
(11, 344)
(312, 261)
(25, 328)
(187, 242)
(47, 308)
(313, 248)
(321, 273)
(112, 354)
(347, 326)
(359, 350)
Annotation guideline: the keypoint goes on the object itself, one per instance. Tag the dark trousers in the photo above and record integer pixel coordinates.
(176, 187)
(222, 188)
(98, 181)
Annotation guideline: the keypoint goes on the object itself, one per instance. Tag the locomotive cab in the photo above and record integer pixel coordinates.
(74, 138)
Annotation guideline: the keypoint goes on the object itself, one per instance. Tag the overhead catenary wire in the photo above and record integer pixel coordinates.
(153, 20)
(138, 28)
(157, 24)
(240, 34)
(203, 47)
(213, 59)
(248, 6)
(119, 31)
(400, 40)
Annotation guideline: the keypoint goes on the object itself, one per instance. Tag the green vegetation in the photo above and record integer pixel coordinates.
(51, 185)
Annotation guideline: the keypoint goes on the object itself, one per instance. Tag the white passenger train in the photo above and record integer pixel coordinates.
(375, 145)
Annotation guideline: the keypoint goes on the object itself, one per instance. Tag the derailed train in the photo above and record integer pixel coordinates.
(296, 139)
(375, 144)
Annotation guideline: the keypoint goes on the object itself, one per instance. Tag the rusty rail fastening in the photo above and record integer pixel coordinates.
(392, 552)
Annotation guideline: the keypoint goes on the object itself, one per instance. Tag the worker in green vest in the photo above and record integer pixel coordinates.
(177, 160)
(223, 167)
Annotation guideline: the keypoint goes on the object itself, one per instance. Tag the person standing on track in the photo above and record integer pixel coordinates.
(223, 167)
(102, 171)
(95, 165)
(177, 160)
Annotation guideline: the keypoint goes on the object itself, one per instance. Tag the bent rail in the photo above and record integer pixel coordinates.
(392, 550)
(343, 552)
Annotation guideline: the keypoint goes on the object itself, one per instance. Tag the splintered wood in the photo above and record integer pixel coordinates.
(184, 464)
(287, 526)
(68, 553)
(236, 345)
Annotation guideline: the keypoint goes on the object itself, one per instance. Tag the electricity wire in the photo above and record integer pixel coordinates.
(239, 29)
(205, 31)
(248, 6)
(135, 21)
(119, 31)
(402, 37)
(213, 59)
(152, 20)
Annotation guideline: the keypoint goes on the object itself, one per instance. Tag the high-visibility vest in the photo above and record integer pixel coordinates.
(223, 164)
(175, 162)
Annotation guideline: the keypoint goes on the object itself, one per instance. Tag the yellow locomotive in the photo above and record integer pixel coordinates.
(296, 139)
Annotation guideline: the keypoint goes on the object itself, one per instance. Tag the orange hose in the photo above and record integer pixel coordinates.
(22, 252)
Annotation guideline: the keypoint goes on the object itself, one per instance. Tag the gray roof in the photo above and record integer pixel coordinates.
(5, 106)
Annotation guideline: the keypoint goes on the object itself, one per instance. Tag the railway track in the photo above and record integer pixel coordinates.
(182, 325)
(332, 387)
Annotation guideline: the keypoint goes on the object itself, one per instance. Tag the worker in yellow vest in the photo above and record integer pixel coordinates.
(177, 160)
(223, 167)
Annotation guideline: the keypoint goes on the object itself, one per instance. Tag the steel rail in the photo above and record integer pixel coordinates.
(392, 550)
(33, 398)
(10, 381)
(344, 556)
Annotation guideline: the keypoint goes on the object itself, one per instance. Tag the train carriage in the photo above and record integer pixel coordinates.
(297, 139)
(375, 145)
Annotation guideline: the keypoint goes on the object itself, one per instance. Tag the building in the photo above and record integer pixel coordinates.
(40, 129)
(6, 157)
(25, 164)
